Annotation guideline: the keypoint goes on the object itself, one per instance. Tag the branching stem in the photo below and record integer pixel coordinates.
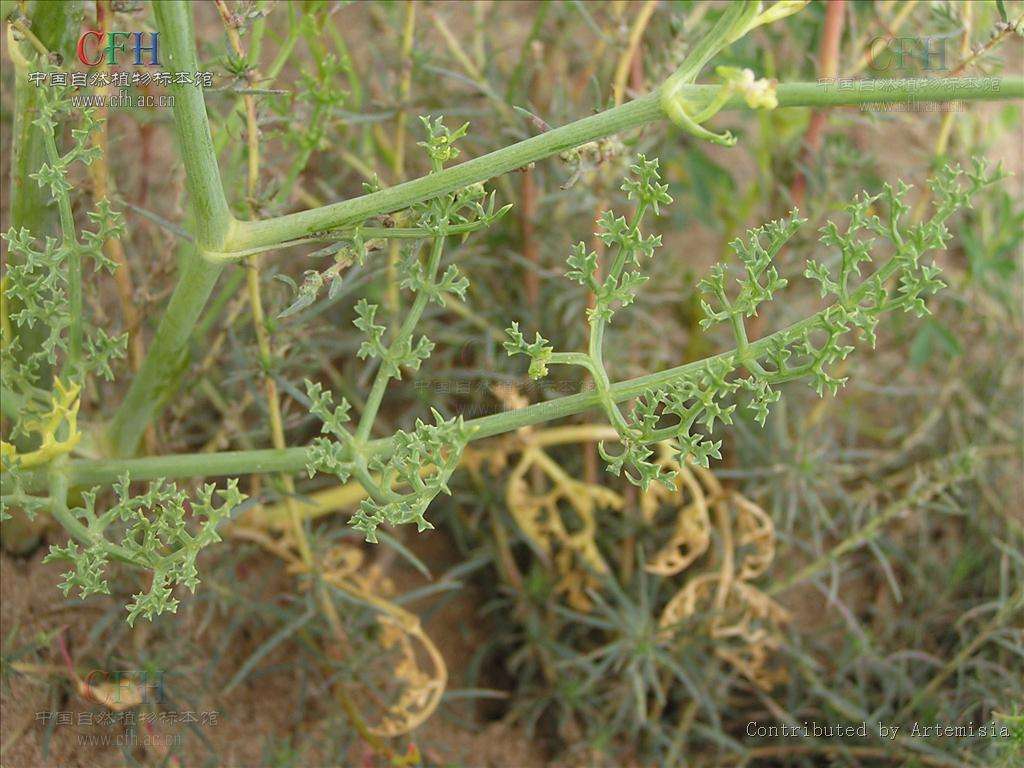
(380, 383)
(85, 472)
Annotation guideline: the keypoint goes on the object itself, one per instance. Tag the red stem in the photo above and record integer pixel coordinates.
(828, 66)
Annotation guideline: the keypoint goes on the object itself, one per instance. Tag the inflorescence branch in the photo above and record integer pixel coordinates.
(686, 408)
(402, 485)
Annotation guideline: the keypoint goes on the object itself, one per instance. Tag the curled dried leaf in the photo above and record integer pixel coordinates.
(745, 620)
(692, 533)
(542, 519)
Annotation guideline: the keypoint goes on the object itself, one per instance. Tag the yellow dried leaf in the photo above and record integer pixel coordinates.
(692, 533)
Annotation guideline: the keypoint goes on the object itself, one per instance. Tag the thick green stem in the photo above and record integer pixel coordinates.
(167, 356)
(352, 212)
(210, 210)
(636, 113)
(168, 353)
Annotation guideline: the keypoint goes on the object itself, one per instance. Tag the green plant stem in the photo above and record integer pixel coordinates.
(210, 209)
(167, 356)
(639, 112)
(105, 471)
(355, 211)
(85, 472)
(367, 233)
(58, 488)
(169, 351)
(74, 259)
(404, 334)
(595, 349)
